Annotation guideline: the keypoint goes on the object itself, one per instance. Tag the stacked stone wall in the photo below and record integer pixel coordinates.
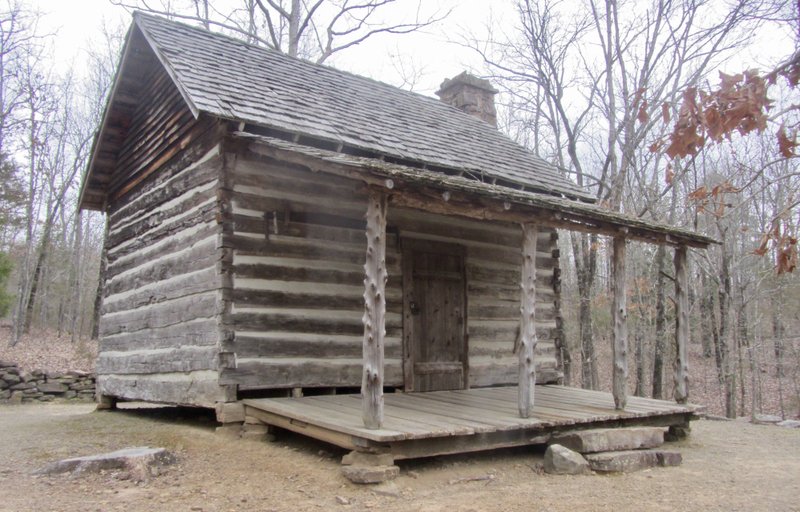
(17, 386)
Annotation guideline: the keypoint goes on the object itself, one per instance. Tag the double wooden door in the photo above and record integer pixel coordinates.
(435, 316)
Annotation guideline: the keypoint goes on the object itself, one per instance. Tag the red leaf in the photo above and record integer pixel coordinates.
(669, 175)
(639, 94)
(665, 112)
(699, 194)
(642, 116)
(786, 146)
(762, 248)
(787, 257)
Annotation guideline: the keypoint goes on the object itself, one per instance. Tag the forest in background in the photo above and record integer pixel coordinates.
(619, 95)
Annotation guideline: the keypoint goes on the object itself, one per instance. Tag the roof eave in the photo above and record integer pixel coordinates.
(509, 204)
(83, 204)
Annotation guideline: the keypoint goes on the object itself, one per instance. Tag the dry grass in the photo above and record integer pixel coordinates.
(42, 349)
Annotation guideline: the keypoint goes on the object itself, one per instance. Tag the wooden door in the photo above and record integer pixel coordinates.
(435, 316)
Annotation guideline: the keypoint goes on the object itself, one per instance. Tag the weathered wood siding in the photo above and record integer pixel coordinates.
(298, 272)
(158, 329)
(298, 268)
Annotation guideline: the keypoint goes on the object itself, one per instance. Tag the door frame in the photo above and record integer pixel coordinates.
(407, 247)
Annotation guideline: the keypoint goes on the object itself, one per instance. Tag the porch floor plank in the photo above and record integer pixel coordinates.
(489, 416)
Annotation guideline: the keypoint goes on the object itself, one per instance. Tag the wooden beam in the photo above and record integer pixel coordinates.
(421, 189)
(375, 276)
(527, 366)
(620, 316)
(681, 388)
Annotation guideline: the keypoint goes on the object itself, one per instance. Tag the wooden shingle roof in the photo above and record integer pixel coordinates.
(232, 80)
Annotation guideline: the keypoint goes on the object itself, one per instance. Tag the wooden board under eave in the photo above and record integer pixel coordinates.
(298, 252)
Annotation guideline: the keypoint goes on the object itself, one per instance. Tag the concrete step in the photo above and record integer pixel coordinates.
(611, 439)
(627, 461)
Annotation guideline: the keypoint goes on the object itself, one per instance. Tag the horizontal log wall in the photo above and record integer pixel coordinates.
(298, 271)
(493, 265)
(159, 336)
(298, 253)
(199, 388)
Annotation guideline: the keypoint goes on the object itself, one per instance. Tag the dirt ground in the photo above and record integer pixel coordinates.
(727, 466)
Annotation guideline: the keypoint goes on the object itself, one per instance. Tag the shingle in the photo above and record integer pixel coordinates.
(228, 78)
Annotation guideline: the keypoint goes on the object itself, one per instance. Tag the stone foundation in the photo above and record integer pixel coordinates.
(18, 387)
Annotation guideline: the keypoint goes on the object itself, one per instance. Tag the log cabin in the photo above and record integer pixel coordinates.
(283, 235)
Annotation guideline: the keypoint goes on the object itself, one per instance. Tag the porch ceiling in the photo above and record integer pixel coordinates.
(459, 195)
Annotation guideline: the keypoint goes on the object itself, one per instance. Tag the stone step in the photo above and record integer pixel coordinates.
(628, 461)
(611, 439)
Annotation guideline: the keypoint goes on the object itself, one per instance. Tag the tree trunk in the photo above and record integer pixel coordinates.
(585, 250)
(294, 28)
(639, 356)
(101, 281)
(778, 334)
(562, 347)
(707, 319)
(726, 334)
(742, 344)
(661, 324)
(77, 278)
(30, 301)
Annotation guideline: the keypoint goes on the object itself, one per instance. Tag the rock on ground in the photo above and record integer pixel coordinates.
(611, 439)
(559, 460)
(141, 462)
(632, 460)
(370, 474)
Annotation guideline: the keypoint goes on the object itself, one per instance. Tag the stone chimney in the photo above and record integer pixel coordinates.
(471, 94)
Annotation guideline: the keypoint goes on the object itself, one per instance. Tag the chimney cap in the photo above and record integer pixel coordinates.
(466, 79)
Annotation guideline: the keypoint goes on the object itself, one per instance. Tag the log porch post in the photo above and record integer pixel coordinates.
(681, 377)
(619, 315)
(527, 331)
(374, 319)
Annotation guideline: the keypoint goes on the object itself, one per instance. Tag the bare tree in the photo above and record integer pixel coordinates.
(19, 42)
(602, 108)
(59, 148)
(310, 29)
(51, 130)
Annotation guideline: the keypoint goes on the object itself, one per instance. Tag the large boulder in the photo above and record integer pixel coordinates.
(611, 439)
(141, 462)
(628, 461)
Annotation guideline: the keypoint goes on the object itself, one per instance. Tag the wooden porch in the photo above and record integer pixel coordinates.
(443, 422)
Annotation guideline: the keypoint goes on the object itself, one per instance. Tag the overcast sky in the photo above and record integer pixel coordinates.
(429, 52)
(432, 53)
